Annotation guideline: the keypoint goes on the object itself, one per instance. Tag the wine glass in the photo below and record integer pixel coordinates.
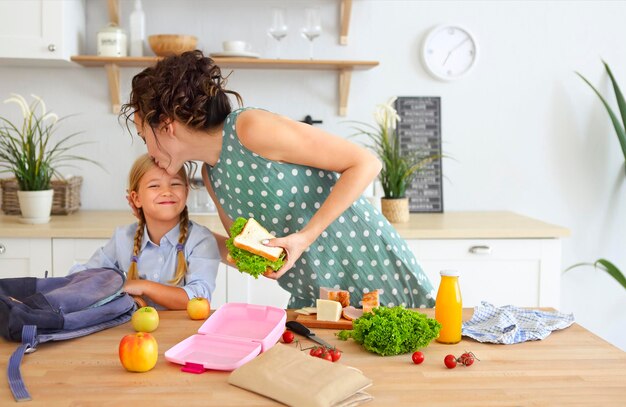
(312, 27)
(278, 29)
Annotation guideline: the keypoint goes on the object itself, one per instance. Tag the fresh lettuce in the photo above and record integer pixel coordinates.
(245, 261)
(392, 331)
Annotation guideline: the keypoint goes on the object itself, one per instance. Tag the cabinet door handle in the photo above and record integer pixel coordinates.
(52, 47)
(2, 248)
(483, 249)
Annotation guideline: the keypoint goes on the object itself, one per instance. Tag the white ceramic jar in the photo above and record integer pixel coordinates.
(112, 41)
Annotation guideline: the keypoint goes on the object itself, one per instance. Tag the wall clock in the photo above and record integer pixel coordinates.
(449, 52)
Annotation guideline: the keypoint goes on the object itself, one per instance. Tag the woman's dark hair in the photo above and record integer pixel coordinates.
(188, 88)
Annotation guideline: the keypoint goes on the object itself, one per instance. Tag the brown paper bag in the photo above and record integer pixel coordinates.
(295, 378)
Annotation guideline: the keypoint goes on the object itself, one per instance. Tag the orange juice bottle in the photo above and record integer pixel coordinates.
(448, 307)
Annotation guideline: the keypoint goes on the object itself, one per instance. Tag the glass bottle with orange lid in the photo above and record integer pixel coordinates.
(449, 307)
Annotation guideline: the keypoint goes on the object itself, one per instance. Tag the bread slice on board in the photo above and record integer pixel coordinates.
(251, 237)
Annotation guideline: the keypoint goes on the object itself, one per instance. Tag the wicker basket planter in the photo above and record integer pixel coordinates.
(66, 198)
(396, 210)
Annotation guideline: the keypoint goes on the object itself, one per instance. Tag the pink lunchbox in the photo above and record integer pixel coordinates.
(234, 335)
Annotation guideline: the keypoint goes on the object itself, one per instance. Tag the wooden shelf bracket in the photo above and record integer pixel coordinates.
(344, 20)
(113, 76)
(345, 76)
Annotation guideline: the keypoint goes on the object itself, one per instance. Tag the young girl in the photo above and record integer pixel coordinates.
(168, 259)
(283, 173)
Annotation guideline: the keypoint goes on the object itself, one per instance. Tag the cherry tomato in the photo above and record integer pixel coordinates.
(316, 351)
(335, 354)
(418, 357)
(450, 361)
(288, 337)
(467, 358)
(326, 356)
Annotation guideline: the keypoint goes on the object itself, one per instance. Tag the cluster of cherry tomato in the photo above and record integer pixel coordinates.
(322, 352)
(466, 359)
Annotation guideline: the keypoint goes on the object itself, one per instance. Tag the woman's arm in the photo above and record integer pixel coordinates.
(281, 139)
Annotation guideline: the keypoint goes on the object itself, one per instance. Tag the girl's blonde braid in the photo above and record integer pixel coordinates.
(133, 273)
(181, 262)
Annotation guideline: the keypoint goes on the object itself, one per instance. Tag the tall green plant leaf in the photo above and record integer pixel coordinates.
(619, 127)
(612, 270)
(621, 103)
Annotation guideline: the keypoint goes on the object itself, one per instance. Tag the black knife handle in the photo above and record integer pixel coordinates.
(298, 328)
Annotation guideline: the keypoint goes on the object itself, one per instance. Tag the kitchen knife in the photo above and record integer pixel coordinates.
(300, 329)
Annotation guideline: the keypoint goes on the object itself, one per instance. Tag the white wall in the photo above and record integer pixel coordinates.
(526, 134)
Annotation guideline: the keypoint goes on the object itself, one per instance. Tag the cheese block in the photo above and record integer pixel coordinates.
(370, 301)
(328, 310)
(341, 296)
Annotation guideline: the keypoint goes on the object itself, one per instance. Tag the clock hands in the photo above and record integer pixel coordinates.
(454, 49)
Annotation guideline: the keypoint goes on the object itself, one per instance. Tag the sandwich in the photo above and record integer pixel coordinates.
(247, 252)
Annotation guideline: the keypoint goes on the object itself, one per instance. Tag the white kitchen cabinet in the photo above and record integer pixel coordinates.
(67, 252)
(41, 31)
(520, 272)
(262, 291)
(25, 257)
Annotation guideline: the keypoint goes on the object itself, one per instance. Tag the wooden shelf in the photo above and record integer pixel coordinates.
(344, 69)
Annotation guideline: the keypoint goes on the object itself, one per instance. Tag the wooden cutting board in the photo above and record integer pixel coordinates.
(312, 322)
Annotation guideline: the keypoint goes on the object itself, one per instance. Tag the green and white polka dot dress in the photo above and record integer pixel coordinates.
(359, 252)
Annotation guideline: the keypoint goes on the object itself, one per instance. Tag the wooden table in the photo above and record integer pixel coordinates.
(570, 367)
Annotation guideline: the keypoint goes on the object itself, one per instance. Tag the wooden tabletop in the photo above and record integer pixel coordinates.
(571, 366)
(448, 225)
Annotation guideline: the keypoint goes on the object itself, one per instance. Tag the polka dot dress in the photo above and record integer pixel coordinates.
(359, 252)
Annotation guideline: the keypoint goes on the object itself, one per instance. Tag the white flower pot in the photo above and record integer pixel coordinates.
(35, 206)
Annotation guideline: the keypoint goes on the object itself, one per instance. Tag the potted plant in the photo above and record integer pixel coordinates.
(620, 130)
(399, 168)
(29, 150)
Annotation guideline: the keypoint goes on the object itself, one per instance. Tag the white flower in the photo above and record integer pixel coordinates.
(21, 102)
(386, 115)
(42, 103)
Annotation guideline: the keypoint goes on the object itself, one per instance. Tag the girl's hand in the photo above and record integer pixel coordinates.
(134, 287)
(294, 244)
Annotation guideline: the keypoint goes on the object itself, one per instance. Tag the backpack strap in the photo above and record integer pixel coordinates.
(29, 345)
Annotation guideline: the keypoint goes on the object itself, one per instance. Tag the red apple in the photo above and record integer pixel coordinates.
(198, 308)
(145, 319)
(138, 352)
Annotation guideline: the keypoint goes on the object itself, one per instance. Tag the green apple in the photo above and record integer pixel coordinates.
(145, 319)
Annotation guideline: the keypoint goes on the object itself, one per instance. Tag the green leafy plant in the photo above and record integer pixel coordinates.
(620, 130)
(392, 331)
(607, 266)
(399, 168)
(29, 149)
(620, 127)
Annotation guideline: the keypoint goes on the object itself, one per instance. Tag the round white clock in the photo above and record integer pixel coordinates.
(449, 52)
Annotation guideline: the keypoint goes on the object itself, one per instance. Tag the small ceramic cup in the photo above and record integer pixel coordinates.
(236, 46)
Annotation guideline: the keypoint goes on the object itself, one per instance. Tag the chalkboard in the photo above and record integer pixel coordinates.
(419, 132)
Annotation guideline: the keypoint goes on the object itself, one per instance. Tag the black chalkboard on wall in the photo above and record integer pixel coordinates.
(419, 132)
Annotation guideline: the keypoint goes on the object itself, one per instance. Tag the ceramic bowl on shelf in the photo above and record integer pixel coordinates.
(165, 45)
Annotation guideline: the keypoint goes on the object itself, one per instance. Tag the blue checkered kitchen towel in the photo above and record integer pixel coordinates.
(511, 324)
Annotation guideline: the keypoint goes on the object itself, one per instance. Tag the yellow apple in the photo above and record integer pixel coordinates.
(145, 319)
(198, 308)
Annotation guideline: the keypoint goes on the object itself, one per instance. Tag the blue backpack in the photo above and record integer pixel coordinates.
(37, 310)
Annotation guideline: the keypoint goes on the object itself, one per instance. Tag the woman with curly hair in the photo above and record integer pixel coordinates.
(302, 183)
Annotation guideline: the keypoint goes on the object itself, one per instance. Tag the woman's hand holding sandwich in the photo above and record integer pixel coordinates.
(294, 245)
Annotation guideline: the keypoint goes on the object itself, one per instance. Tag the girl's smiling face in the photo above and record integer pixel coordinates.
(161, 196)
